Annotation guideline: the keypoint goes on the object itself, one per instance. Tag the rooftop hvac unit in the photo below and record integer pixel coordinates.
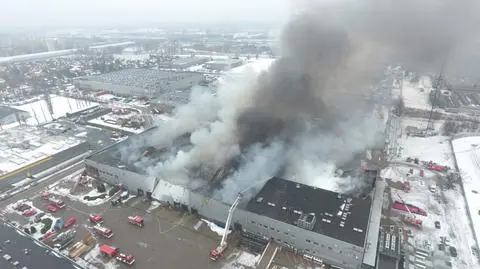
(306, 221)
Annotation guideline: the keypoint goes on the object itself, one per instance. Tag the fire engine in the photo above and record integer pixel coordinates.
(96, 218)
(410, 218)
(408, 207)
(111, 252)
(436, 167)
(103, 231)
(137, 220)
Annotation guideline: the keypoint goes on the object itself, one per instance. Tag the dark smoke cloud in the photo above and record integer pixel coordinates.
(305, 116)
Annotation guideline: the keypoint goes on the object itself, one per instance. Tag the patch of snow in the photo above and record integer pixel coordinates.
(416, 95)
(153, 205)
(434, 148)
(166, 191)
(467, 153)
(79, 197)
(106, 124)
(241, 260)
(82, 134)
(215, 228)
(39, 112)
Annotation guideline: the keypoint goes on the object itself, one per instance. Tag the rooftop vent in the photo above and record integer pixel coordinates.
(271, 204)
(259, 199)
(298, 186)
(306, 221)
(358, 230)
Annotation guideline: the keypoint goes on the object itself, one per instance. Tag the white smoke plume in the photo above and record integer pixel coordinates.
(305, 116)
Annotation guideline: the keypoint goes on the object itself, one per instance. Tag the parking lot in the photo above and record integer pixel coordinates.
(171, 238)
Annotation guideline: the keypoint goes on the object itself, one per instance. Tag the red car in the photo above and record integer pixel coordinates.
(29, 212)
(52, 208)
(69, 222)
(47, 235)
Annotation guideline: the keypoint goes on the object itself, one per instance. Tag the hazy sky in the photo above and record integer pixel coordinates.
(20, 13)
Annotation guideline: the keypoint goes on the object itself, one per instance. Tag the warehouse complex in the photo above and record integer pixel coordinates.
(165, 85)
(339, 230)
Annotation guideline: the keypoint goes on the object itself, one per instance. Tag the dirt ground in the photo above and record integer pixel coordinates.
(168, 239)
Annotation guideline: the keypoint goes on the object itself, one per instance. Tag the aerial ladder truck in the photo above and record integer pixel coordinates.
(217, 252)
(410, 219)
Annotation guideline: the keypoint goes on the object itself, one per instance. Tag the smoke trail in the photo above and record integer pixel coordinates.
(305, 115)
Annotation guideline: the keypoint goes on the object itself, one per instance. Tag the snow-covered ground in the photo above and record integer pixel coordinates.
(441, 205)
(66, 193)
(10, 209)
(61, 105)
(445, 205)
(25, 145)
(106, 124)
(113, 120)
(241, 260)
(467, 153)
(416, 95)
(433, 148)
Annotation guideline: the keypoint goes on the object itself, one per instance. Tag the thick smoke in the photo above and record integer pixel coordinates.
(305, 116)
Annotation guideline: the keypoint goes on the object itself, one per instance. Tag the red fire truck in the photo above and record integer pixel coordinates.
(114, 252)
(103, 231)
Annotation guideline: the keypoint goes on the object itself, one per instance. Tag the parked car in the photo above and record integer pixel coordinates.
(29, 212)
(437, 224)
(39, 216)
(22, 207)
(58, 224)
(52, 208)
(69, 222)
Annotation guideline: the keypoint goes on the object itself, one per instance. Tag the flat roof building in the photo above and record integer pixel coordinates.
(167, 86)
(328, 213)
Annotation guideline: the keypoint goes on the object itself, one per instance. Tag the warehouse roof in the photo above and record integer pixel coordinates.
(7, 111)
(337, 216)
(173, 87)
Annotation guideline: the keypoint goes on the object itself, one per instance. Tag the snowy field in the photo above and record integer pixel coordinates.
(25, 145)
(39, 112)
(441, 205)
(467, 153)
(416, 95)
(433, 148)
(445, 205)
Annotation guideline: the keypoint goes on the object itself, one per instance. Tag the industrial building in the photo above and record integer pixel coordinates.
(339, 230)
(10, 115)
(185, 62)
(166, 86)
(223, 64)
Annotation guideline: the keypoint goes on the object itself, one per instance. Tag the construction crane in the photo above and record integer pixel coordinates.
(217, 252)
(411, 219)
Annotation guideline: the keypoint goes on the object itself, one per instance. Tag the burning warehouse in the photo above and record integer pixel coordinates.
(338, 229)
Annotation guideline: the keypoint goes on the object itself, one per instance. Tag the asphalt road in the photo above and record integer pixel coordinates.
(38, 257)
(58, 158)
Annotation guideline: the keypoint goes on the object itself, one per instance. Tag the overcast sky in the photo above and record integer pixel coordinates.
(39, 13)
